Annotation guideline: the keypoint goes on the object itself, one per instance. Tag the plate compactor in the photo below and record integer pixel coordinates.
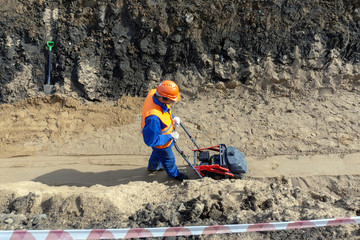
(218, 162)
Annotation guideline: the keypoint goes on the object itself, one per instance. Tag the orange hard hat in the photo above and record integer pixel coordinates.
(168, 89)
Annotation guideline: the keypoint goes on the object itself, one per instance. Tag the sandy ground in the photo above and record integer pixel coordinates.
(59, 146)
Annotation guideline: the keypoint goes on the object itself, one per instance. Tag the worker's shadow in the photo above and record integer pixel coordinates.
(71, 177)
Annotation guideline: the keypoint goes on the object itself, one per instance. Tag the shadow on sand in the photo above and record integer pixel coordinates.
(71, 177)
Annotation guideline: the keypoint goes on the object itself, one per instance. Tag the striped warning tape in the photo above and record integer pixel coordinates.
(169, 231)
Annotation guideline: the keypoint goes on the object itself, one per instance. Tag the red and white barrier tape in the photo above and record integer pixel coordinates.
(169, 231)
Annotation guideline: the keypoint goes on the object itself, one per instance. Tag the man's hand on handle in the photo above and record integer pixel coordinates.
(174, 135)
(176, 121)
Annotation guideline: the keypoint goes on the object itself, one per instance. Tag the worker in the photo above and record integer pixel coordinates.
(158, 128)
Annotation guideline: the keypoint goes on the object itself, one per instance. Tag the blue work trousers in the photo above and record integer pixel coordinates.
(166, 158)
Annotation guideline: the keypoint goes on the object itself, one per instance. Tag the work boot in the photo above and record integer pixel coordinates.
(181, 177)
(161, 168)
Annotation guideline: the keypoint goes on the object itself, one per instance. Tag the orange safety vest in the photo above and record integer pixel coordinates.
(150, 108)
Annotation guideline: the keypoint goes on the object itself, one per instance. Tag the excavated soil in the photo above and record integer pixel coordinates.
(70, 164)
(277, 79)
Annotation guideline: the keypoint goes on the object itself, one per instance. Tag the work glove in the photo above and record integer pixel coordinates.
(176, 121)
(174, 135)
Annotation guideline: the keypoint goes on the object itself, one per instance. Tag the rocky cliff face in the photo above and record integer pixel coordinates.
(108, 48)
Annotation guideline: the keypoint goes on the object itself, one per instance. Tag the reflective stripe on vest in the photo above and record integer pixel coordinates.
(167, 130)
(150, 108)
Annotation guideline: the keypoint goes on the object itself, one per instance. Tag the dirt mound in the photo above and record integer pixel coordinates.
(201, 202)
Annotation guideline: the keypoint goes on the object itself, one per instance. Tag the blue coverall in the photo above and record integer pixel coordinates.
(151, 133)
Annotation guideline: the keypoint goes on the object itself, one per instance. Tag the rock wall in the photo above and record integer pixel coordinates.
(108, 48)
